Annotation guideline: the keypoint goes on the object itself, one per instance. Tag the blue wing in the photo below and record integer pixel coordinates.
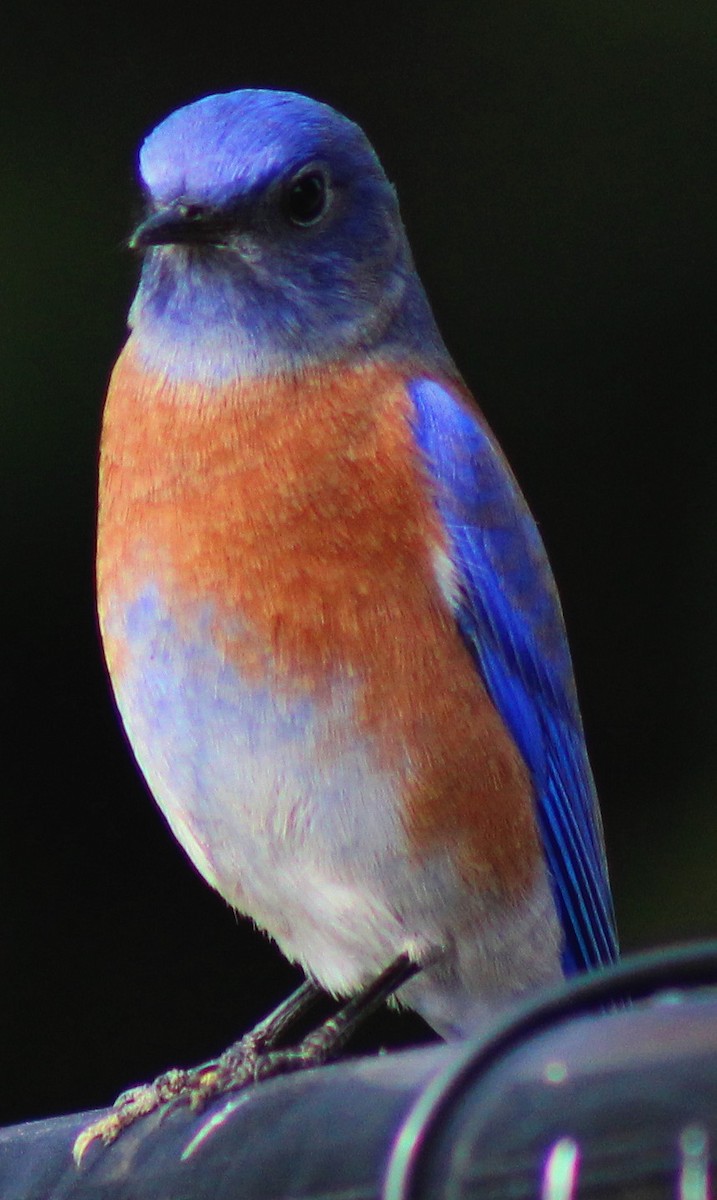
(510, 618)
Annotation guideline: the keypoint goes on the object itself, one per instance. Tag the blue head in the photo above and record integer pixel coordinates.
(273, 240)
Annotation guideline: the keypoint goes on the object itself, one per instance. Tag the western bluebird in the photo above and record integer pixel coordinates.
(331, 628)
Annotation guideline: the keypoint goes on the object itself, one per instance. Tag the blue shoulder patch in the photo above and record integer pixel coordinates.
(509, 616)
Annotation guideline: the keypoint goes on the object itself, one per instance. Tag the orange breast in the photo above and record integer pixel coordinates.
(299, 511)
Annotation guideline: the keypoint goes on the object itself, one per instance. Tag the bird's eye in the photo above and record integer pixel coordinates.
(307, 197)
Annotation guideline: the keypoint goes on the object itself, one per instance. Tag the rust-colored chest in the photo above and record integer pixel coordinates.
(299, 515)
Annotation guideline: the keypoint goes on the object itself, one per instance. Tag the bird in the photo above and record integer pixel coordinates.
(329, 621)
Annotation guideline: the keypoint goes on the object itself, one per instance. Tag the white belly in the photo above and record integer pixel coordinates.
(281, 804)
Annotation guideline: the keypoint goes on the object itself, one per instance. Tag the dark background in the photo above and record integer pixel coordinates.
(557, 173)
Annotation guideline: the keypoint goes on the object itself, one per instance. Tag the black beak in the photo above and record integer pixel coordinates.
(181, 225)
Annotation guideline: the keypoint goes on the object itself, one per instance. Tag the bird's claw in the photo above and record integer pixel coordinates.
(234, 1069)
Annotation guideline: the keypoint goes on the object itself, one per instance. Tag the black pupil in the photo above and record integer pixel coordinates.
(307, 198)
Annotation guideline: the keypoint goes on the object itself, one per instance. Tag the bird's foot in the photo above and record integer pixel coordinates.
(252, 1058)
(234, 1069)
